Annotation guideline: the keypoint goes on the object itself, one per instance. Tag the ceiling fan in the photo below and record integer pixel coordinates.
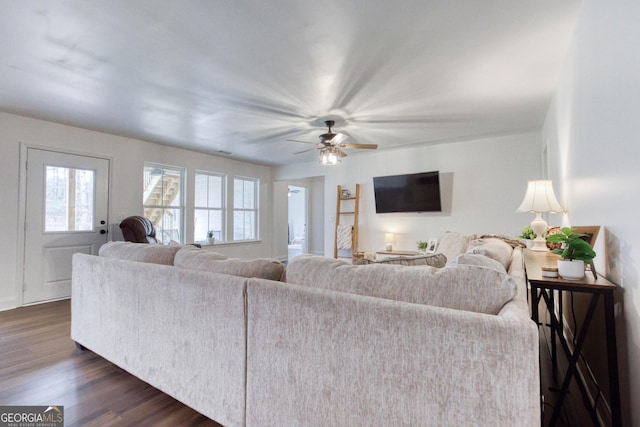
(330, 145)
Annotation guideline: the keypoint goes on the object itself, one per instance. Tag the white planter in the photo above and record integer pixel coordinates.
(571, 269)
(210, 240)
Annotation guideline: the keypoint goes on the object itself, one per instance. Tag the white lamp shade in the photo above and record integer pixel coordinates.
(540, 198)
(388, 237)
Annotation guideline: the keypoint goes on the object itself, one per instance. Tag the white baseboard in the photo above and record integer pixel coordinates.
(8, 303)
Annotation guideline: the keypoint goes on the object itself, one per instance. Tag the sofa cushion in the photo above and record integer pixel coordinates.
(478, 260)
(496, 249)
(463, 287)
(433, 260)
(141, 252)
(454, 244)
(193, 258)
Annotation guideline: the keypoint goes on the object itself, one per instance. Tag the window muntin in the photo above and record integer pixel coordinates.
(163, 201)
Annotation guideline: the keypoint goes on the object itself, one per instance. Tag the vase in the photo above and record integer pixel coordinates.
(571, 269)
(210, 240)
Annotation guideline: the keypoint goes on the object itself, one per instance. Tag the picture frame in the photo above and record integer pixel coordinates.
(591, 231)
(432, 245)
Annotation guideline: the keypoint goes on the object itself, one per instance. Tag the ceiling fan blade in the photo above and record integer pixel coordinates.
(297, 140)
(340, 153)
(338, 139)
(366, 146)
(304, 151)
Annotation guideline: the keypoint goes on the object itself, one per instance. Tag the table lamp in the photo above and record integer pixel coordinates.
(388, 242)
(539, 198)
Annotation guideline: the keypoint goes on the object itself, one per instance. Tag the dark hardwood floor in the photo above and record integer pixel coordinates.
(40, 365)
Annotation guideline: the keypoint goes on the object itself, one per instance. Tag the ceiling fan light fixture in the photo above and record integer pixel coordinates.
(329, 156)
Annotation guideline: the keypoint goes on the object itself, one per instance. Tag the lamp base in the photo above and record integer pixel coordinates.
(539, 227)
(539, 245)
(388, 247)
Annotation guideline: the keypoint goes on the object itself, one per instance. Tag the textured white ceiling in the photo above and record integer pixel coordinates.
(245, 76)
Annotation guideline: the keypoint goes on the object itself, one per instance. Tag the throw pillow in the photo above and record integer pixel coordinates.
(496, 249)
(433, 260)
(454, 244)
(478, 260)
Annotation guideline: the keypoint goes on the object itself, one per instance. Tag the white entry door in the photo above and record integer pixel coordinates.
(66, 212)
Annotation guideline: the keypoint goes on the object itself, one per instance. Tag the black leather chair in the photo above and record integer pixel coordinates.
(138, 229)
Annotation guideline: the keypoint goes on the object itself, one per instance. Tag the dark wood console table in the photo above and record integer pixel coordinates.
(544, 288)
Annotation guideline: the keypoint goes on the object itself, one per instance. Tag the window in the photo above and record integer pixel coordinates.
(245, 209)
(69, 199)
(209, 212)
(163, 201)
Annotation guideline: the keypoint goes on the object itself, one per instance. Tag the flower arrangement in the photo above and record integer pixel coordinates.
(527, 233)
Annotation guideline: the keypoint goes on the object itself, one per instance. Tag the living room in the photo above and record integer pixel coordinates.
(585, 144)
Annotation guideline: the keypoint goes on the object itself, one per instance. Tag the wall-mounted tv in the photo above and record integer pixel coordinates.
(418, 192)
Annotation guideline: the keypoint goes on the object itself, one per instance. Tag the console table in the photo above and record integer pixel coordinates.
(544, 288)
(395, 254)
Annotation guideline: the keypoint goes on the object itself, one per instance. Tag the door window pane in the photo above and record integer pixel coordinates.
(69, 199)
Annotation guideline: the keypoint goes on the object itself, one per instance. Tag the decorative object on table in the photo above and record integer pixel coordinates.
(388, 241)
(432, 245)
(539, 199)
(210, 239)
(574, 253)
(549, 271)
(550, 232)
(528, 235)
(422, 245)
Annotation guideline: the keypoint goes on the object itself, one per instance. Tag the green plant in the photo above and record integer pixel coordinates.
(527, 233)
(210, 234)
(573, 246)
(422, 245)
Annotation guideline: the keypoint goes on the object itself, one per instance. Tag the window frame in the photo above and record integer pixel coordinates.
(181, 199)
(255, 209)
(223, 209)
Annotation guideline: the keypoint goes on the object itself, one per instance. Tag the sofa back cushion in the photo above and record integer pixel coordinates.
(433, 260)
(141, 252)
(463, 287)
(193, 258)
(493, 248)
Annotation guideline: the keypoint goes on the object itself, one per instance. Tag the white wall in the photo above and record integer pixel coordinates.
(483, 182)
(592, 132)
(128, 157)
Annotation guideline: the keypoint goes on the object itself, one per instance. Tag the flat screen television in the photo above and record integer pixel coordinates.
(418, 192)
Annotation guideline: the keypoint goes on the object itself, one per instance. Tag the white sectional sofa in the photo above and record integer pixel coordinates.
(336, 345)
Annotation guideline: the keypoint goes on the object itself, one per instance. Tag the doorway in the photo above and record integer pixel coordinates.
(297, 223)
(66, 206)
